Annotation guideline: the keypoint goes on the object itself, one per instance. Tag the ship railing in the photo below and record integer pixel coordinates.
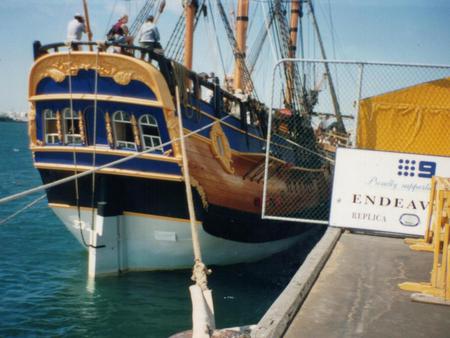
(164, 63)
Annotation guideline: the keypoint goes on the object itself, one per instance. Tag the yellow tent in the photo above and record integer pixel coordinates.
(414, 120)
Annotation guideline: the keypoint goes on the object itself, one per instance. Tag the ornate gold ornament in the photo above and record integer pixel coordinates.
(174, 131)
(81, 127)
(137, 139)
(220, 148)
(32, 124)
(108, 130)
(123, 78)
(59, 126)
(195, 184)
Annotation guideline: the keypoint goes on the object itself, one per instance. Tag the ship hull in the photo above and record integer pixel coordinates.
(139, 242)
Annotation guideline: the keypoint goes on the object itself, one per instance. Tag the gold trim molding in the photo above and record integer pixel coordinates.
(92, 97)
(111, 171)
(102, 150)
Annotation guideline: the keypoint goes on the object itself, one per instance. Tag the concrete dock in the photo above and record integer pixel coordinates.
(356, 293)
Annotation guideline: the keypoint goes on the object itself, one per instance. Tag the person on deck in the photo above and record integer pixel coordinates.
(75, 30)
(149, 36)
(119, 32)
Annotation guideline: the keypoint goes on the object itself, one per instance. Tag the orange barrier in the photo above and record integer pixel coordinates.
(438, 289)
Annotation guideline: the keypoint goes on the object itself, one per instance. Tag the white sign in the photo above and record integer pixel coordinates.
(383, 191)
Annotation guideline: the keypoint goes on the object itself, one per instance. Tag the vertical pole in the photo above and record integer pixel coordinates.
(437, 238)
(337, 110)
(189, 12)
(447, 252)
(293, 30)
(356, 122)
(88, 25)
(241, 39)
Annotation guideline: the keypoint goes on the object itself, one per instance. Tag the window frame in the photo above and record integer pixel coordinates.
(150, 136)
(76, 116)
(122, 144)
(53, 136)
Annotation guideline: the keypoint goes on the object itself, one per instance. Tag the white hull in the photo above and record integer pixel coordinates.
(135, 242)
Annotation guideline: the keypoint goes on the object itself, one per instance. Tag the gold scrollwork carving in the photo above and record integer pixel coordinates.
(137, 139)
(32, 125)
(195, 184)
(81, 127)
(59, 126)
(56, 74)
(109, 135)
(173, 128)
(123, 78)
(220, 148)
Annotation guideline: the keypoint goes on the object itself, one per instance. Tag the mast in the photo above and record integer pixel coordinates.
(241, 39)
(88, 25)
(189, 12)
(293, 32)
(337, 110)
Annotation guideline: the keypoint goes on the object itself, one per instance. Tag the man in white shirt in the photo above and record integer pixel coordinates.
(149, 35)
(75, 29)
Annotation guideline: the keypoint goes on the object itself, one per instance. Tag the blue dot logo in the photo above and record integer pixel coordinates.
(406, 167)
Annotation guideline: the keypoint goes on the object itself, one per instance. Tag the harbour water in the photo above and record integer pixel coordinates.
(44, 289)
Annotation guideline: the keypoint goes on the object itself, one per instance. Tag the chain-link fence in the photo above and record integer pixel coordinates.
(330, 104)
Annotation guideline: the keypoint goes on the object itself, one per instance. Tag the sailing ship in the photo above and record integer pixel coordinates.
(90, 108)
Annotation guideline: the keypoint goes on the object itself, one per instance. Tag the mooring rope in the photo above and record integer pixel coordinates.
(74, 155)
(310, 151)
(94, 140)
(28, 206)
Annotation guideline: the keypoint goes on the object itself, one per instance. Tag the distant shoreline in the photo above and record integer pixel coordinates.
(8, 119)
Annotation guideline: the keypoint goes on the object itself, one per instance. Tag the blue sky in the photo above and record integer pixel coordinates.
(410, 31)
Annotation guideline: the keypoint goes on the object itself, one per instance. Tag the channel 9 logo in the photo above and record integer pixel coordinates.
(413, 168)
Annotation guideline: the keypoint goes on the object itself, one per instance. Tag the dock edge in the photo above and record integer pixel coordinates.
(276, 320)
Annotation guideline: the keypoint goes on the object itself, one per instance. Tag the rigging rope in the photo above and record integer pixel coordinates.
(95, 140)
(247, 79)
(180, 46)
(110, 17)
(218, 50)
(28, 206)
(256, 51)
(74, 155)
(142, 16)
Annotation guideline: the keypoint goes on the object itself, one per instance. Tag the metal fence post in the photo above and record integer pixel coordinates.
(355, 123)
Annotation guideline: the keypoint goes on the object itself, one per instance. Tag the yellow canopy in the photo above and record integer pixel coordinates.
(414, 120)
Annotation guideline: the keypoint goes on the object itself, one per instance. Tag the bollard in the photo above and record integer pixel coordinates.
(202, 312)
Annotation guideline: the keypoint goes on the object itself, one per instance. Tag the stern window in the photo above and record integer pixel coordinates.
(51, 128)
(123, 130)
(72, 134)
(150, 132)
